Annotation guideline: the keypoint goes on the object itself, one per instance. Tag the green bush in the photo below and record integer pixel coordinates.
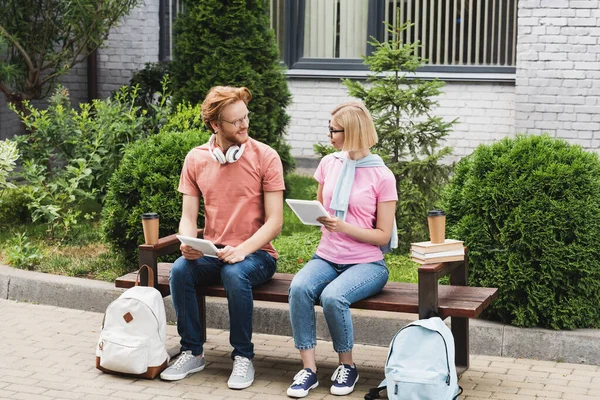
(9, 154)
(147, 181)
(13, 206)
(149, 82)
(528, 208)
(230, 43)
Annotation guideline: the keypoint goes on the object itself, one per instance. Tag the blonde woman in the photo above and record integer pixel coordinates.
(359, 192)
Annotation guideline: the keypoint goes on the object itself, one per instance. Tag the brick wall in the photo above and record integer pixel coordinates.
(485, 112)
(128, 48)
(558, 70)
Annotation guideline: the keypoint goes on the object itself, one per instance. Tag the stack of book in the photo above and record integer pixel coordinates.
(430, 253)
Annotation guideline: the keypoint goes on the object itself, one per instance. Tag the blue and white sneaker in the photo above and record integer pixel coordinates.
(304, 380)
(344, 378)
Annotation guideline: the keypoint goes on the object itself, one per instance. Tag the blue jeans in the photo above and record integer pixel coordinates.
(237, 279)
(335, 286)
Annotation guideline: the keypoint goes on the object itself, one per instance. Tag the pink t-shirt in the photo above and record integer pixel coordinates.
(371, 185)
(233, 192)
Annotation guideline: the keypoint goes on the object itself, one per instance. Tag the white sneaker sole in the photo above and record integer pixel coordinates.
(343, 391)
(300, 393)
(241, 385)
(171, 377)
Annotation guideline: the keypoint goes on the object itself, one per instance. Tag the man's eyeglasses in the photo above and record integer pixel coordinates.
(238, 122)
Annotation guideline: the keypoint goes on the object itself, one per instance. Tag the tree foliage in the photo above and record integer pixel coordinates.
(409, 134)
(230, 43)
(41, 40)
(528, 209)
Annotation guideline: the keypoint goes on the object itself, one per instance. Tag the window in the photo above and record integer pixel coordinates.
(455, 35)
(167, 12)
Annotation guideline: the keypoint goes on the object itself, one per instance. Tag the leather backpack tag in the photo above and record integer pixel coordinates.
(128, 317)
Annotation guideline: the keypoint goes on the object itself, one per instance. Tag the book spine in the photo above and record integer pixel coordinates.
(437, 249)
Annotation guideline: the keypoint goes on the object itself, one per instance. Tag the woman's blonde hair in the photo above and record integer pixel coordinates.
(218, 98)
(359, 129)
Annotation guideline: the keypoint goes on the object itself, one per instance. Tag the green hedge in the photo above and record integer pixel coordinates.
(147, 181)
(528, 208)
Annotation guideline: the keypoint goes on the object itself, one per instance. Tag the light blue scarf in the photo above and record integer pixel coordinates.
(343, 187)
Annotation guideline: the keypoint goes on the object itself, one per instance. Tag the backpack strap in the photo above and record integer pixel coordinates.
(375, 393)
(150, 276)
(460, 390)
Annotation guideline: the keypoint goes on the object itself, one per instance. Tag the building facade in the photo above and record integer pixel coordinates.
(510, 66)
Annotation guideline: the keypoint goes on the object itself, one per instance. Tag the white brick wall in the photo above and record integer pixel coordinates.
(485, 112)
(558, 70)
(130, 45)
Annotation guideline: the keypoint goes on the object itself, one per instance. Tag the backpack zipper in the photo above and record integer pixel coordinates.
(445, 346)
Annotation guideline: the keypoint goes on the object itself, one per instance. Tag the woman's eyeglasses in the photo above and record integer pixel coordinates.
(332, 130)
(238, 122)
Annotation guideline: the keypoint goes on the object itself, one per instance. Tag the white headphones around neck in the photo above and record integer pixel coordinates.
(233, 153)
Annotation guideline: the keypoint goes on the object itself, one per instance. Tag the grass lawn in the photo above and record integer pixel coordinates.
(83, 253)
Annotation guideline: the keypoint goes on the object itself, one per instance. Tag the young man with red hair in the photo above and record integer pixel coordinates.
(241, 183)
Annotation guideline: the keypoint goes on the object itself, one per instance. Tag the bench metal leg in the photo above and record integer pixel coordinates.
(202, 314)
(460, 331)
(428, 294)
(460, 326)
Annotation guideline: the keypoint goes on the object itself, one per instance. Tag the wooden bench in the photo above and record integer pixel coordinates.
(457, 301)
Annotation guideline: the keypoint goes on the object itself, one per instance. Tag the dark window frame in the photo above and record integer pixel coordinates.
(294, 45)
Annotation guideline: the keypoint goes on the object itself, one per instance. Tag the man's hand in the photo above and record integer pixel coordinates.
(333, 223)
(189, 253)
(231, 255)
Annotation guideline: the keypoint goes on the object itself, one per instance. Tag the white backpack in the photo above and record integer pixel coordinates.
(134, 333)
(420, 364)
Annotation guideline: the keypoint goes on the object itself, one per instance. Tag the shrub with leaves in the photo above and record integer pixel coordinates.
(9, 154)
(149, 83)
(22, 253)
(147, 181)
(13, 206)
(410, 136)
(97, 134)
(528, 208)
(69, 155)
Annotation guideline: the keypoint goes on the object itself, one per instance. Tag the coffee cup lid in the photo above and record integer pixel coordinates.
(436, 213)
(150, 216)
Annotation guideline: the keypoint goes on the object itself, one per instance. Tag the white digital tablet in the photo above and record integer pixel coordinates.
(205, 246)
(308, 210)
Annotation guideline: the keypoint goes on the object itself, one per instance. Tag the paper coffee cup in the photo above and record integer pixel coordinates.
(150, 225)
(436, 219)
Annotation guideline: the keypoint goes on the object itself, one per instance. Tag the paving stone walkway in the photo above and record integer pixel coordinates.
(48, 353)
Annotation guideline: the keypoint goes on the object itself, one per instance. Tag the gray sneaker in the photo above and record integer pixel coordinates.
(242, 375)
(185, 365)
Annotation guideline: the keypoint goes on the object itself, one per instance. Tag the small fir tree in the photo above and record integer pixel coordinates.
(409, 135)
(229, 42)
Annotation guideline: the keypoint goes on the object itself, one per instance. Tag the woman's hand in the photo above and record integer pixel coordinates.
(231, 255)
(333, 223)
(189, 253)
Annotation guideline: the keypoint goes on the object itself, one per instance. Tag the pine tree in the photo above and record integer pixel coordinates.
(229, 42)
(409, 135)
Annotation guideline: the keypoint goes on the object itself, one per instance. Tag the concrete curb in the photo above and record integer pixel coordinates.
(372, 328)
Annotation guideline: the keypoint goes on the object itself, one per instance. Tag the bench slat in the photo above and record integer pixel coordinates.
(454, 301)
